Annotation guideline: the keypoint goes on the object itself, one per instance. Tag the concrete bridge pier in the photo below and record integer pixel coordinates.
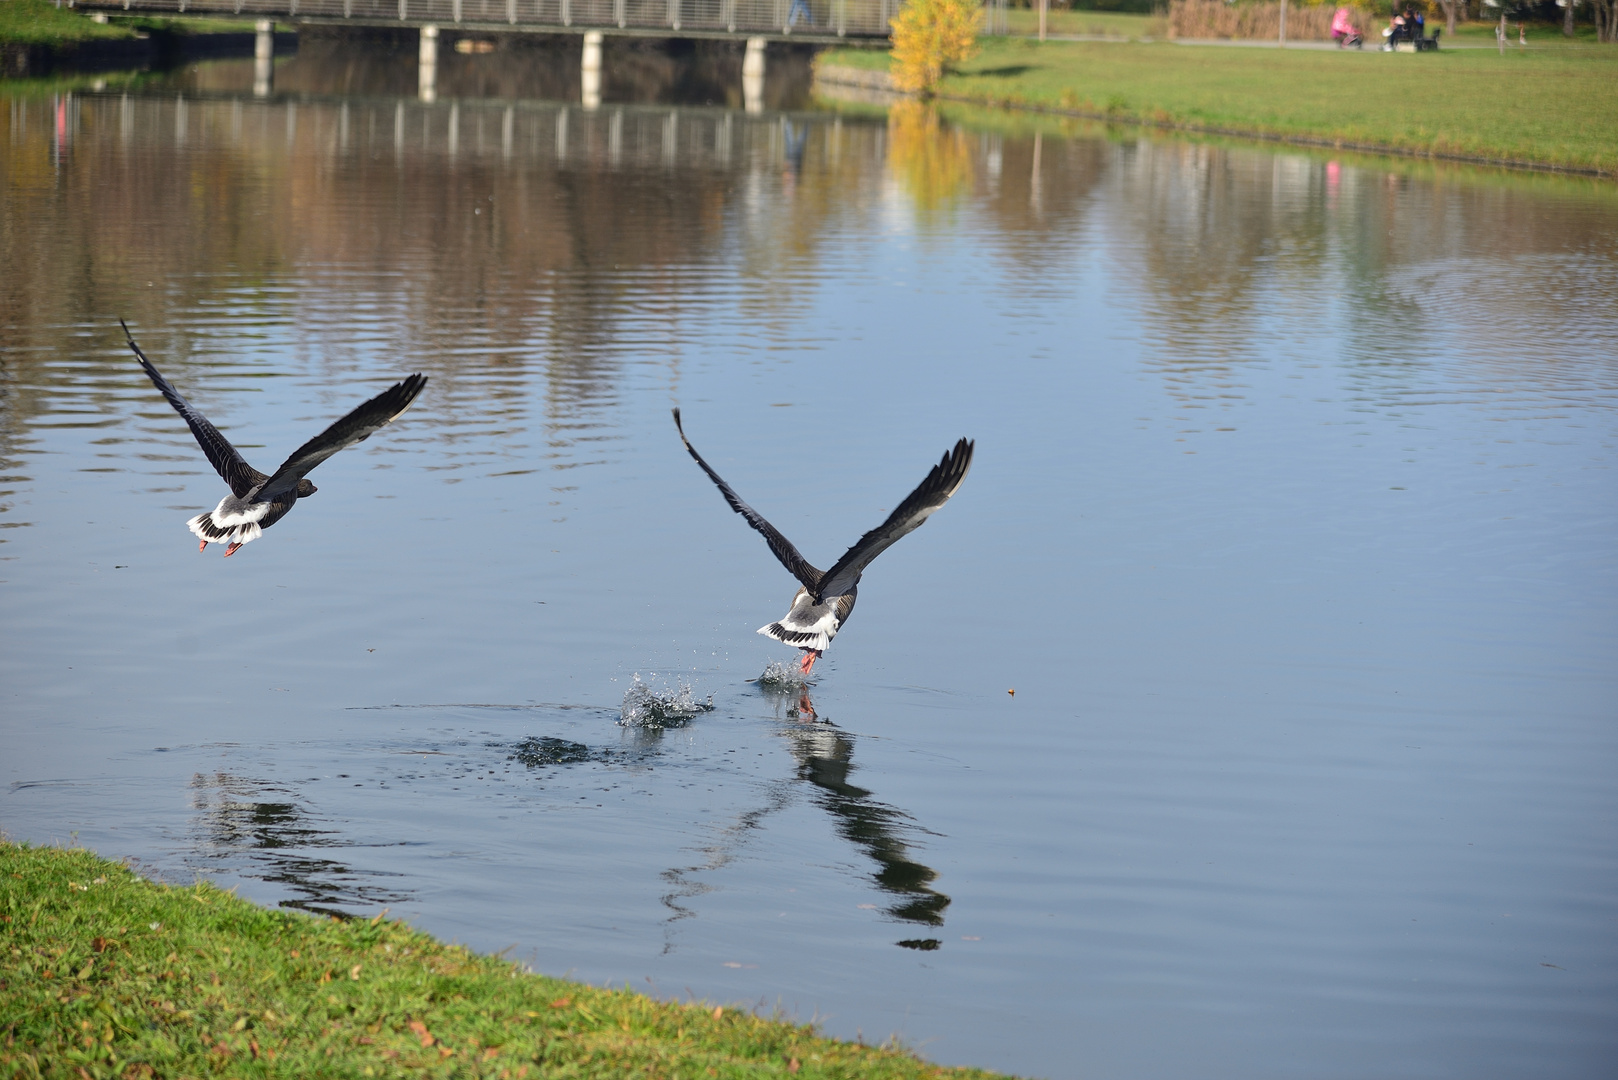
(427, 65)
(590, 68)
(263, 58)
(753, 76)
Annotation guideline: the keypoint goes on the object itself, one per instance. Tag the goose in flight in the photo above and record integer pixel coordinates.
(826, 598)
(257, 501)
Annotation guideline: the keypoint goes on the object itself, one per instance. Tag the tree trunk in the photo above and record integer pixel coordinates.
(1449, 7)
(1567, 20)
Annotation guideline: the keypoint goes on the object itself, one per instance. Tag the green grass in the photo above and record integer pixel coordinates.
(108, 975)
(41, 22)
(1540, 107)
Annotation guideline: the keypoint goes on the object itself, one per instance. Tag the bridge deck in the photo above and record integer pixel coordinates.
(809, 21)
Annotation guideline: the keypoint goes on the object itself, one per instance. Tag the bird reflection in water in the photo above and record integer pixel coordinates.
(825, 759)
(258, 829)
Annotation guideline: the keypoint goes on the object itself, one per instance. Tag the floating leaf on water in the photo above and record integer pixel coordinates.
(646, 706)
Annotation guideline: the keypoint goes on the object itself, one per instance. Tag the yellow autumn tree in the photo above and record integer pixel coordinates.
(929, 36)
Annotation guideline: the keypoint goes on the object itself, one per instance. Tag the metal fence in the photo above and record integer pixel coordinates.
(806, 18)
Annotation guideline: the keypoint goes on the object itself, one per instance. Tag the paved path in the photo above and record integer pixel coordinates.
(1269, 43)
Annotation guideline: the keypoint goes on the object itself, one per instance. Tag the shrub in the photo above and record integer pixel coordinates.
(930, 35)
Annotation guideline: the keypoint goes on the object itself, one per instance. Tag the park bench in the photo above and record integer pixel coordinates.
(1415, 44)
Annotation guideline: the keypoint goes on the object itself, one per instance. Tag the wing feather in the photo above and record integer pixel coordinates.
(357, 426)
(932, 493)
(226, 460)
(795, 563)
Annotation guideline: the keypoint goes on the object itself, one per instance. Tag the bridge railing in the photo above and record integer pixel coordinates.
(809, 18)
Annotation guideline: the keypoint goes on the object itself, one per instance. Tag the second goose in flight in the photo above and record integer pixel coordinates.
(257, 501)
(826, 598)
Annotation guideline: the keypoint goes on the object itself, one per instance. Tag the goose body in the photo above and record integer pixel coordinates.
(811, 624)
(257, 501)
(825, 599)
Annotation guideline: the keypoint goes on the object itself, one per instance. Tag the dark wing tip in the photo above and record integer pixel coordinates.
(405, 391)
(677, 425)
(954, 465)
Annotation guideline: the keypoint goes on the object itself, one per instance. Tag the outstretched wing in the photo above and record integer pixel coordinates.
(929, 496)
(241, 476)
(795, 563)
(357, 426)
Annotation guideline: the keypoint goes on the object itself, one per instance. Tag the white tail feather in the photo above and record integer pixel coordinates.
(204, 527)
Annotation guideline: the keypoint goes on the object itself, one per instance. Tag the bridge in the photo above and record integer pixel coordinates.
(814, 22)
(822, 22)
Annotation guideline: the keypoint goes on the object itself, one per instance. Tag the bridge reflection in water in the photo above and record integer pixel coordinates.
(628, 136)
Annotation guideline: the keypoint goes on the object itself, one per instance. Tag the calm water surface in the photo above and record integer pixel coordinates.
(1291, 526)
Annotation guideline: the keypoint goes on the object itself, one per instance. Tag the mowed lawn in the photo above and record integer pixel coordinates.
(1551, 107)
(104, 975)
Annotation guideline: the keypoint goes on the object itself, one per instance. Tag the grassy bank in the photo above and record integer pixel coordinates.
(109, 975)
(41, 22)
(1548, 108)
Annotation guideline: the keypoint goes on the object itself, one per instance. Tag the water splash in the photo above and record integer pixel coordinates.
(648, 706)
(779, 678)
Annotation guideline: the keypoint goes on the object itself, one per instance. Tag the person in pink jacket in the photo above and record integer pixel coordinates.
(1342, 27)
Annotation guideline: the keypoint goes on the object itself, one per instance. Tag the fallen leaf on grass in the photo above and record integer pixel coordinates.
(561, 1003)
(421, 1029)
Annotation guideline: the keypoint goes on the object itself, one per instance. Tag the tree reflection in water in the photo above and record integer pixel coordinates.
(262, 825)
(932, 161)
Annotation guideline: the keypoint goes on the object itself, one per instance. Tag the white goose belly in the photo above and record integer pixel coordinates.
(809, 625)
